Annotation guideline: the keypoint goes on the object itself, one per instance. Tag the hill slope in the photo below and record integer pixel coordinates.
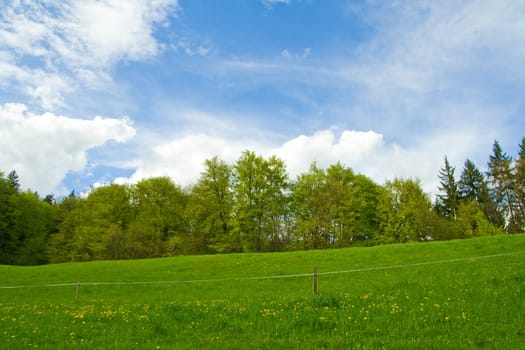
(456, 294)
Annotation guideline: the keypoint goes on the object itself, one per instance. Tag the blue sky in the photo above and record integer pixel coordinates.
(95, 92)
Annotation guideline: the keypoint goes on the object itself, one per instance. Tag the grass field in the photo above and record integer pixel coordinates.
(442, 295)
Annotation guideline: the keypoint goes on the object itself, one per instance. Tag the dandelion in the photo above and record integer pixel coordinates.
(395, 309)
(268, 312)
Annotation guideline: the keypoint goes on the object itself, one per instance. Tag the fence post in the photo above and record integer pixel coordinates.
(314, 287)
(78, 289)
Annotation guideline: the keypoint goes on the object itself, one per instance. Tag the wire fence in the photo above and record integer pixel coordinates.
(254, 278)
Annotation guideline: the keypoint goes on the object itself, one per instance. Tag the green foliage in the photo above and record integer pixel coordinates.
(120, 222)
(160, 207)
(335, 208)
(36, 220)
(448, 199)
(519, 187)
(501, 181)
(25, 224)
(261, 202)
(254, 206)
(472, 185)
(468, 207)
(209, 209)
(471, 221)
(406, 212)
(8, 240)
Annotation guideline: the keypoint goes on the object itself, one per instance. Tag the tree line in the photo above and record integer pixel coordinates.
(253, 206)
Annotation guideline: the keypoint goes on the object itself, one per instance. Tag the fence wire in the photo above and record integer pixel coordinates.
(232, 279)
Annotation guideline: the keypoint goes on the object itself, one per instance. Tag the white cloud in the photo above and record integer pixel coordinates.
(366, 152)
(183, 159)
(425, 83)
(324, 149)
(112, 30)
(46, 87)
(192, 47)
(75, 40)
(436, 45)
(44, 148)
(270, 3)
(295, 57)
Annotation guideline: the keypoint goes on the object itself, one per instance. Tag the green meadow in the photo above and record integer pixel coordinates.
(465, 294)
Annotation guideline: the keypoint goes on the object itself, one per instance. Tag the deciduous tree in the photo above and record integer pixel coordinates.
(405, 212)
(209, 209)
(260, 187)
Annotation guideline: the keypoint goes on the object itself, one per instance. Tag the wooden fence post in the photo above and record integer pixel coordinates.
(314, 287)
(78, 289)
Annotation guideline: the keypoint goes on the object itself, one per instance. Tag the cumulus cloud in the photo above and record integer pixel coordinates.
(80, 39)
(325, 149)
(183, 159)
(44, 148)
(366, 152)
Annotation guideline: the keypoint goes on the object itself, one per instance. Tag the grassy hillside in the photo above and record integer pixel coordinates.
(457, 294)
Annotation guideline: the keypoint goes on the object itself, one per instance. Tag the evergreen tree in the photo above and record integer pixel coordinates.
(50, 199)
(519, 186)
(501, 184)
(472, 185)
(13, 180)
(447, 201)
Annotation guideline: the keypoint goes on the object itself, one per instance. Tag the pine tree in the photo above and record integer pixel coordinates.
(501, 184)
(472, 185)
(13, 180)
(519, 186)
(447, 202)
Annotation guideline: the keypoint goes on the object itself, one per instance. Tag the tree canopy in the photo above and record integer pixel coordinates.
(253, 205)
